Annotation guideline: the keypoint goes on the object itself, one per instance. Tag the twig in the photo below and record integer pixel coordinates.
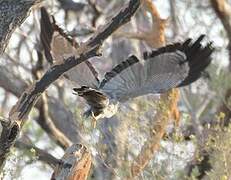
(44, 119)
(41, 154)
(97, 12)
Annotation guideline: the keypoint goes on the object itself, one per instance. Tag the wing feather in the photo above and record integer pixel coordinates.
(168, 67)
(58, 46)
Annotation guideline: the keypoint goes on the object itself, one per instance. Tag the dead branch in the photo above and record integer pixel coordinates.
(59, 114)
(96, 11)
(12, 14)
(44, 119)
(41, 154)
(47, 124)
(76, 164)
(223, 11)
(19, 112)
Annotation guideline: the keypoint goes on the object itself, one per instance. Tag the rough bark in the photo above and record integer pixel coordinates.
(61, 117)
(90, 48)
(75, 165)
(12, 14)
(44, 119)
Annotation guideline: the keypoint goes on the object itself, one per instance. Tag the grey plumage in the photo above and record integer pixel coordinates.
(58, 46)
(171, 66)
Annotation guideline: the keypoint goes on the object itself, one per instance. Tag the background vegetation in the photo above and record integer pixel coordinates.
(196, 147)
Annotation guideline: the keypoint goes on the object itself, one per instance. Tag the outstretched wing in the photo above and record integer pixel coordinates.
(168, 67)
(59, 46)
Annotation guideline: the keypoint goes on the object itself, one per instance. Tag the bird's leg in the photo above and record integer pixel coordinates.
(93, 119)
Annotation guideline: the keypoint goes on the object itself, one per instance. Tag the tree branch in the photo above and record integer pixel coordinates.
(41, 154)
(153, 37)
(19, 112)
(76, 164)
(59, 114)
(12, 14)
(69, 5)
(44, 119)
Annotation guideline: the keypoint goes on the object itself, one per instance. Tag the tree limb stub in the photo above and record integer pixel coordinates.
(75, 165)
(19, 112)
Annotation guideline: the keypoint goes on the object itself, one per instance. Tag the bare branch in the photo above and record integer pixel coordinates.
(41, 154)
(19, 112)
(223, 11)
(154, 37)
(47, 124)
(44, 119)
(69, 5)
(60, 115)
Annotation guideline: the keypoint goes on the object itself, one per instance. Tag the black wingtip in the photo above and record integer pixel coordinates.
(201, 37)
(198, 58)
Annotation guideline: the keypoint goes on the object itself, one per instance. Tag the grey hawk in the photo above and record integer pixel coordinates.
(168, 67)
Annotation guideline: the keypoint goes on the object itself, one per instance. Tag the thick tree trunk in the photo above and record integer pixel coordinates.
(12, 14)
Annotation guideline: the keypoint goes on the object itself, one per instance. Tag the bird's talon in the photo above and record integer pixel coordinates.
(93, 120)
